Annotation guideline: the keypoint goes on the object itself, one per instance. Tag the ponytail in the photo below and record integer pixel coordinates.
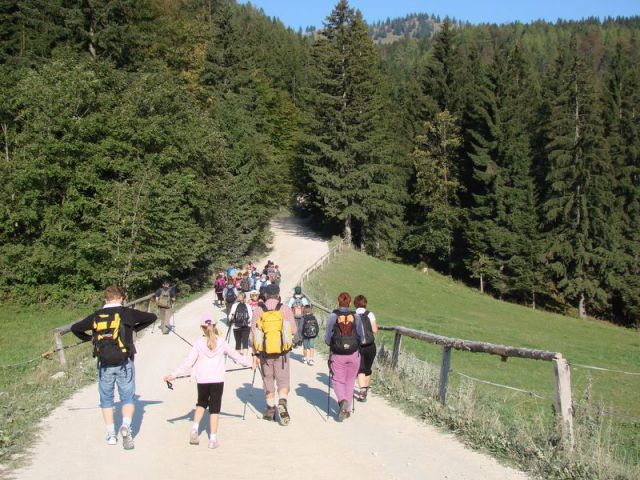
(211, 332)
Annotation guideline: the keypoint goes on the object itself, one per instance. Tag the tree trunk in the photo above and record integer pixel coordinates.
(347, 230)
(481, 283)
(582, 309)
(533, 299)
(5, 132)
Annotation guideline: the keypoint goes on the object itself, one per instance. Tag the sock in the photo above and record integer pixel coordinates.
(126, 422)
(111, 430)
(283, 397)
(195, 427)
(271, 402)
(213, 437)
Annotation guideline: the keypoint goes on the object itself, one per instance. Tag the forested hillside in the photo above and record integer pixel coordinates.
(142, 139)
(151, 138)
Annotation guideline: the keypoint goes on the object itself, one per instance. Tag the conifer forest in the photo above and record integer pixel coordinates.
(149, 139)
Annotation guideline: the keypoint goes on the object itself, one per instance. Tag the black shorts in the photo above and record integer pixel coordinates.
(210, 395)
(367, 356)
(242, 337)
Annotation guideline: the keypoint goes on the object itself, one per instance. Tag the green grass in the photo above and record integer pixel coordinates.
(401, 295)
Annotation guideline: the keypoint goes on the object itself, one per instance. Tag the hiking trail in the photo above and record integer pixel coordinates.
(377, 442)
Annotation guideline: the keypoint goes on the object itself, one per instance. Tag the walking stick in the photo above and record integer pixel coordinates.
(244, 412)
(329, 386)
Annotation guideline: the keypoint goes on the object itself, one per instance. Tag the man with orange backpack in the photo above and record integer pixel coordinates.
(273, 328)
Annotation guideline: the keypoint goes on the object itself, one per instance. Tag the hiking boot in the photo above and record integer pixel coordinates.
(363, 394)
(127, 437)
(194, 437)
(344, 410)
(213, 444)
(283, 412)
(112, 439)
(269, 414)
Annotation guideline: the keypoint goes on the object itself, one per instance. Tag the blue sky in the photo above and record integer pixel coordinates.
(301, 13)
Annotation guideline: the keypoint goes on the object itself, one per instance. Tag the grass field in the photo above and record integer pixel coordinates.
(401, 295)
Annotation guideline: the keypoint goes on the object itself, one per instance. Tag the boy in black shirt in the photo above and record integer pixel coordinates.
(112, 330)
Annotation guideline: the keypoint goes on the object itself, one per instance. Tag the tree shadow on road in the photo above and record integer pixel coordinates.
(138, 416)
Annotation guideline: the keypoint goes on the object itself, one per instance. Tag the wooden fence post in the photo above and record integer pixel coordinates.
(564, 408)
(445, 365)
(396, 350)
(57, 338)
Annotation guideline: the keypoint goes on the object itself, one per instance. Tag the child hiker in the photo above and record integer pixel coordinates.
(310, 329)
(206, 360)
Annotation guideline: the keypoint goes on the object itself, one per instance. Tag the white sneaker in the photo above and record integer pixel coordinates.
(311, 362)
(112, 439)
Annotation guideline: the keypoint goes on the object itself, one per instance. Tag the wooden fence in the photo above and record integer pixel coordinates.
(322, 261)
(60, 331)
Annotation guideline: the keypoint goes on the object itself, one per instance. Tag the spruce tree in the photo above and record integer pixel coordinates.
(579, 203)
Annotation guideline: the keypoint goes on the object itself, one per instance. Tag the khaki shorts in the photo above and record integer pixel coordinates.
(276, 372)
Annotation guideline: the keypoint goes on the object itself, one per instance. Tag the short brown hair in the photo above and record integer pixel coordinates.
(344, 299)
(360, 301)
(113, 292)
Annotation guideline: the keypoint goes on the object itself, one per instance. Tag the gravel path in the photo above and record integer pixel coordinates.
(378, 442)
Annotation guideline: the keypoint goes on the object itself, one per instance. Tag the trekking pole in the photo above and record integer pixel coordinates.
(170, 383)
(244, 412)
(329, 387)
(181, 337)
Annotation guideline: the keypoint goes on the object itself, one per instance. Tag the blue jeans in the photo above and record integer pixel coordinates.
(123, 376)
(308, 343)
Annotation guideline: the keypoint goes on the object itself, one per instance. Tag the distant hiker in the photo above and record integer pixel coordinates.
(277, 275)
(230, 293)
(368, 347)
(206, 363)
(262, 284)
(245, 283)
(218, 287)
(112, 330)
(310, 330)
(165, 298)
(273, 328)
(344, 335)
(297, 303)
(253, 299)
(240, 320)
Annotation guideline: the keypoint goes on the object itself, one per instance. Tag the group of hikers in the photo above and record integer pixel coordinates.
(265, 330)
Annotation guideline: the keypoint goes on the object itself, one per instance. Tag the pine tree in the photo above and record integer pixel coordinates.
(350, 180)
(580, 177)
(437, 209)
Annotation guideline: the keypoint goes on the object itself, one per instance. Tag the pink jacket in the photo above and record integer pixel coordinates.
(207, 366)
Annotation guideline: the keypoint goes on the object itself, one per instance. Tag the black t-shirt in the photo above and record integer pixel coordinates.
(133, 320)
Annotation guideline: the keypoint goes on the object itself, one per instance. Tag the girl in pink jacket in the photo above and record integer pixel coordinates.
(206, 362)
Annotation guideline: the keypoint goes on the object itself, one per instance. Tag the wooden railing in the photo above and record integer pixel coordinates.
(322, 261)
(58, 332)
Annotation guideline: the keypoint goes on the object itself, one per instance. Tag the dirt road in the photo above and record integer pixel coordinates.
(378, 442)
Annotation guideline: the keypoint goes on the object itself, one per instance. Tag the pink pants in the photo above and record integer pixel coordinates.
(345, 370)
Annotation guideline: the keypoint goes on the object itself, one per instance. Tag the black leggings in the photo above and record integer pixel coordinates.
(367, 356)
(242, 337)
(210, 395)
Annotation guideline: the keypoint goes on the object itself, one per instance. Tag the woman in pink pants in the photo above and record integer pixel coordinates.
(344, 335)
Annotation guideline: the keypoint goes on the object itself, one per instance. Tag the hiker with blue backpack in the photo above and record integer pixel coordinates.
(368, 347)
(240, 321)
(273, 327)
(206, 363)
(344, 334)
(112, 330)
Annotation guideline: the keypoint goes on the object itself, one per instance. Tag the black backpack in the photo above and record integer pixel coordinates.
(344, 339)
(230, 296)
(310, 327)
(109, 339)
(369, 339)
(242, 318)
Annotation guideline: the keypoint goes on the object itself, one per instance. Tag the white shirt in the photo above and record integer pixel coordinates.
(232, 312)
